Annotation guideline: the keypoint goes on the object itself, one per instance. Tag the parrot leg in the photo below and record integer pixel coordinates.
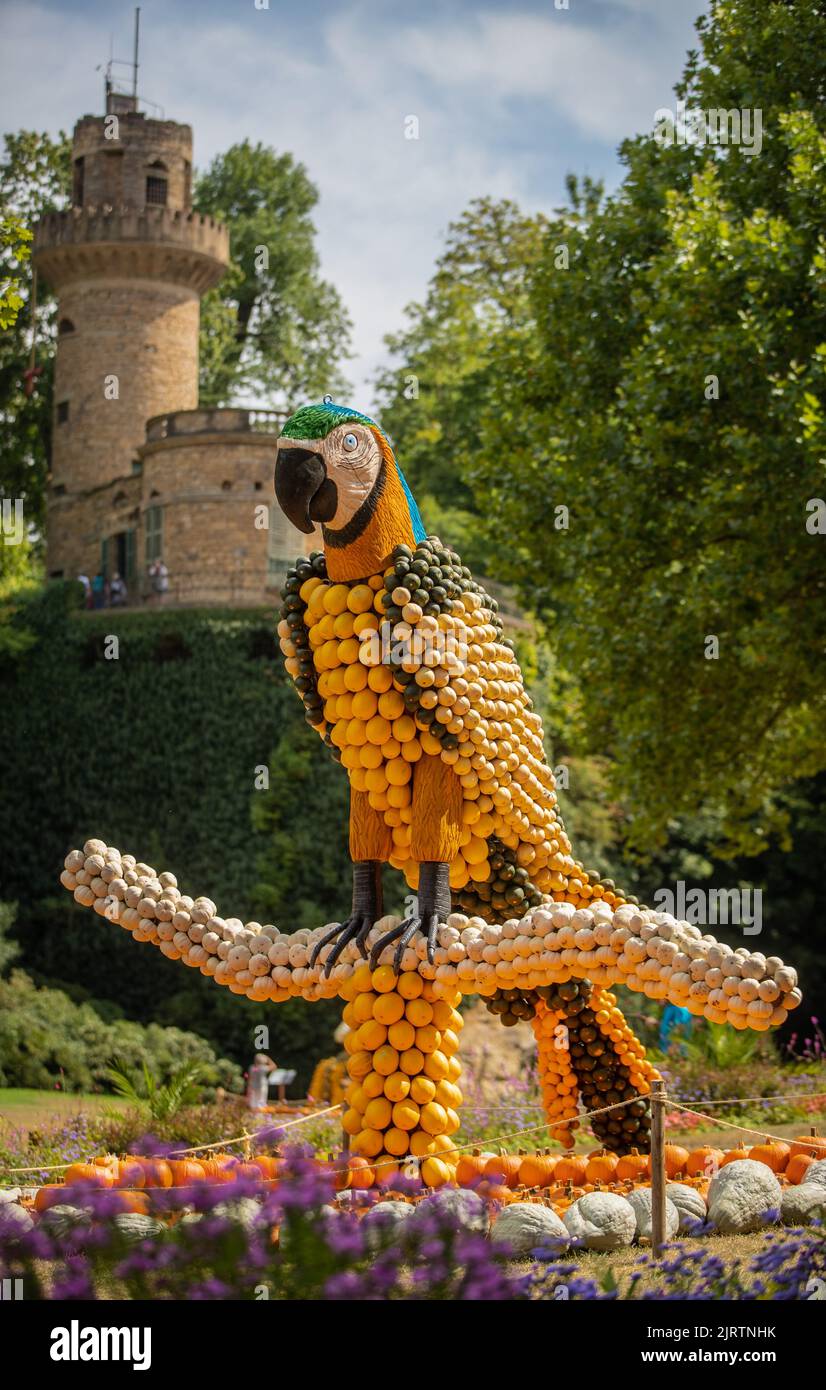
(367, 902)
(434, 906)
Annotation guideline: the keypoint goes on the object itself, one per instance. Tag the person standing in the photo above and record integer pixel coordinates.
(98, 590)
(87, 589)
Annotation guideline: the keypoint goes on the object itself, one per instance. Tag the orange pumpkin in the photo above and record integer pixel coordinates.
(185, 1171)
(361, 1173)
(601, 1166)
(49, 1196)
(130, 1172)
(632, 1167)
(495, 1192)
(812, 1144)
(797, 1165)
(336, 1168)
(571, 1168)
(94, 1174)
(773, 1152)
(733, 1155)
(470, 1168)
(537, 1170)
(503, 1169)
(156, 1172)
(676, 1159)
(704, 1162)
(134, 1201)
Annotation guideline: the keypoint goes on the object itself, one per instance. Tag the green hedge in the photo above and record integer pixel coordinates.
(156, 752)
(45, 1037)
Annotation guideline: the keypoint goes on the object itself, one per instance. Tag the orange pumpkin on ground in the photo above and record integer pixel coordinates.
(134, 1201)
(704, 1162)
(185, 1171)
(676, 1159)
(93, 1174)
(797, 1165)
(571, 1168)
(812, 1144)
(470, 1168)
(503, 1169)
(537, 1170)
(50, 1195)
(601, 1166)
(361, 1172)
(773, 1152)
(633, 1167)
(156, 1172)
(130, 1173)
(734, 1155)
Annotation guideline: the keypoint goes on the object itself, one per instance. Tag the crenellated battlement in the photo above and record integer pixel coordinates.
(169, 244)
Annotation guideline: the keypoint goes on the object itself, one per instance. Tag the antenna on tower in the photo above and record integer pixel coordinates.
(135, 58)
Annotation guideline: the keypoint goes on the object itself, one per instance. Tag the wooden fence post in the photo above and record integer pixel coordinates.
(657, 1167)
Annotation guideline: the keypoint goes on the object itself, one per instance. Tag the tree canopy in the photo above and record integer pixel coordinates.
(639, 425)
(273, 324)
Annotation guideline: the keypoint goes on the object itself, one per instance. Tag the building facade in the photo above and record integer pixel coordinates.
(138, 472)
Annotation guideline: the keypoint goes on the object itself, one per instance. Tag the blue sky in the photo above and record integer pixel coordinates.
(509, 98)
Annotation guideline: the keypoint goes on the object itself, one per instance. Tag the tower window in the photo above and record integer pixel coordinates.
(156, 184)
(62, 412)
(226, 485)
(153, 531)
(65, 326)
(77, 183)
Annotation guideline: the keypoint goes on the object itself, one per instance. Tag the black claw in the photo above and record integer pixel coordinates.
(412, 926)
(355, 928)
(432, 920)
(386, 940)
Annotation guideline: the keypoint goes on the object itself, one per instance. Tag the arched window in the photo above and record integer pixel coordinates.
(65, 326)
(156, 184)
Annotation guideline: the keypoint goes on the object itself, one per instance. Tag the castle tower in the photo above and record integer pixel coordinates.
(129, 261)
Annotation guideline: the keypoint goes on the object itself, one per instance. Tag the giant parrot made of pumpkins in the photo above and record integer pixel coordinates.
(402, 663)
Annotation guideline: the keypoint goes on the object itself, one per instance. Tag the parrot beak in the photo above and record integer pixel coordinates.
(305, 494)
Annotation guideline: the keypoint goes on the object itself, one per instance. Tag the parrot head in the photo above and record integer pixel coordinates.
(335, 470)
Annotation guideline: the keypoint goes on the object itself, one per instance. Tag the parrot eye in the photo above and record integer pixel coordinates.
(350, 441)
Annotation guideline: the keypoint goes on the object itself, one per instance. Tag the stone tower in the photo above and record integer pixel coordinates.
(129, 261)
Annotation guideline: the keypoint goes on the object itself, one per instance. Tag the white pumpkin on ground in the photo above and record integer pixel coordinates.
(65, 1221)
(457, 1206)
(640, 1200)
(601, 1220)
(15, 1221)
(803, 1204)
(690, 1204)
(134, 1227)
(741, 1196)
(385, 1221)
(527, 1226)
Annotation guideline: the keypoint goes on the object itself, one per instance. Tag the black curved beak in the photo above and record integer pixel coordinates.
(305, 494)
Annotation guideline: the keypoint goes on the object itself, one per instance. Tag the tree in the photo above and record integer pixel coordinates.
(663, 383)
(273, 324)
(34, 178)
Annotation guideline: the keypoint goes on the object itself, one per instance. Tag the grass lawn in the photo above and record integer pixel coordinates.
(26, 1108)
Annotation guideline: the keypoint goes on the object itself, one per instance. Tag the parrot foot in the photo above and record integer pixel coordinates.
(366, 909)
(434, 906)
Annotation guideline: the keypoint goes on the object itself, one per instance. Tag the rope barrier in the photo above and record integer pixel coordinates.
(174, 1153)
(749, 1100)
(548, 1123)
(727, 1124)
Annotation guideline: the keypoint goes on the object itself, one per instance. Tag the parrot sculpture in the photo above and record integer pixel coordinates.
(401, 660)
(404, 668)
